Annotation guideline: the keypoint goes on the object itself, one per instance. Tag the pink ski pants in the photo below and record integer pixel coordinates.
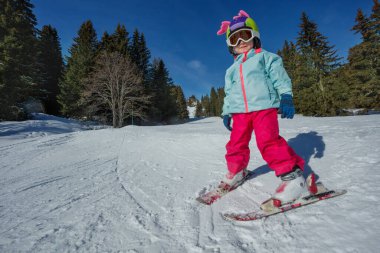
(274, 149)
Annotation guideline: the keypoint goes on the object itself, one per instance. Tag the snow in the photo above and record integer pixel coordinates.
(191, 110)
(64, 189)
(43, 125)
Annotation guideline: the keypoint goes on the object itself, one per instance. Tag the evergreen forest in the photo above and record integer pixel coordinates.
(114, 80)
(131, 88)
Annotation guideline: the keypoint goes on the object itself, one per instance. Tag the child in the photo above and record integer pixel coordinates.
(256, 85)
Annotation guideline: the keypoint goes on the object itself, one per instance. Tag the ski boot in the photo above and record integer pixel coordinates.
(292, 187)
(231, 181)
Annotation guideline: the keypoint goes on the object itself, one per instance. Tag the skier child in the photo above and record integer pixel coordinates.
(256, 86)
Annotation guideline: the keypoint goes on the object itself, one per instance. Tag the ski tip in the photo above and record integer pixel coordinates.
(202, 201)
(207, 197)
(228, 216)
(207, 201)
(241, 217)
(340, 192)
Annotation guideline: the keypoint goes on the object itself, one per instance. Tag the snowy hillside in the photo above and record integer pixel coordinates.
(133, 189)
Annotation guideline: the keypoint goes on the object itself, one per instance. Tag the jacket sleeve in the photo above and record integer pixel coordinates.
(277, 73)
(227, 88)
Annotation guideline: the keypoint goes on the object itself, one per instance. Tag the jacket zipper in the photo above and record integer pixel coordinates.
(242, 82)
(258, 50)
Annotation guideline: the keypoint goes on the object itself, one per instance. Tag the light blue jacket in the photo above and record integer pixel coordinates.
(254, 82)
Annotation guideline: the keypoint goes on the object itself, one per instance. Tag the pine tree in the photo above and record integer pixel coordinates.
(221, 95)
(17, 56)
(375, 19)
(316, 60)
(340, 89)
(181, 107)
(210, 105)
(295, 69)
(199, 110)
(50, 68)
(289, 54)
(79, 66)
(363, 72)
(119, 41)
(105, 43)
(192, 101)
(134, 47)
(163, 104)
(213, 102)
(140, 54)
(375, 25)
(206, 106)
(363, 26)
(215, 106)
(321, 57)
(144, 57)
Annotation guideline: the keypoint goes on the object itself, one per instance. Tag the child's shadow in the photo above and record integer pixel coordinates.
(306, 145)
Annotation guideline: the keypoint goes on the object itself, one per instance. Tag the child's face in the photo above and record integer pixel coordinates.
(243, 47)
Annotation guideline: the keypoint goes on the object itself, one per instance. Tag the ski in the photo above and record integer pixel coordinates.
(210, 197)
(322, 194)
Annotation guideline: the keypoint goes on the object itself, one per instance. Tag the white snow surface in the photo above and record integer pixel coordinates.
(191, 110)
(133, 189)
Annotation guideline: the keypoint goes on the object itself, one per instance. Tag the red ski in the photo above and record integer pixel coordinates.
(210, 197)
(322, 194)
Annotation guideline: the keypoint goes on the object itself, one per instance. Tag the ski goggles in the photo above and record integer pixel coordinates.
(245, 35)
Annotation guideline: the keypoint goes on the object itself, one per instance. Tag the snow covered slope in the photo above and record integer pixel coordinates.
(133, 189)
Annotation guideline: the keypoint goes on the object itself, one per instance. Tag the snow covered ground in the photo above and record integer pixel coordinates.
(133, 189)
(191, 110)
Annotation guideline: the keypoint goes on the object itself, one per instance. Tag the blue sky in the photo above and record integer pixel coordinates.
(183, 33)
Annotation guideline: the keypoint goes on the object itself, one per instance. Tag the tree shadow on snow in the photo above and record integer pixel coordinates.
(306, 145)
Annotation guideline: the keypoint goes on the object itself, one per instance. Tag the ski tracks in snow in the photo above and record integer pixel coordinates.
(157, 178)
(133, 190)
(142, 178)
(57, 206)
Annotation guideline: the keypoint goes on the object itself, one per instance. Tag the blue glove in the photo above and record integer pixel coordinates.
(227, 122)
(286, 106)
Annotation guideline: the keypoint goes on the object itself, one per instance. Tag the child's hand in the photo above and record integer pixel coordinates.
(227, 122)
(286, 106)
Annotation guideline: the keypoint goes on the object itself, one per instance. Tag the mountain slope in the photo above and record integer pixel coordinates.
(133, 189)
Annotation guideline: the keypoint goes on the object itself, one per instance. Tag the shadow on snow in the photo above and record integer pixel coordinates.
(307, 145)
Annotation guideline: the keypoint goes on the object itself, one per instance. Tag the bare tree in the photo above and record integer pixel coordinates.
(117, 85)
